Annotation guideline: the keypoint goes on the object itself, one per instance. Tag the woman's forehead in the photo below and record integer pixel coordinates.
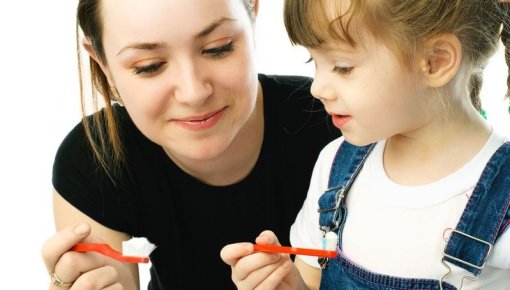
(147, 15)
(169, 21)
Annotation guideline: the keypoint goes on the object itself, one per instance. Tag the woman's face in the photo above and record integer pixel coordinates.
(184, 69)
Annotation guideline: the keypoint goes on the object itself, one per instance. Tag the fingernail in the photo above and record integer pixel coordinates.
(81, 229)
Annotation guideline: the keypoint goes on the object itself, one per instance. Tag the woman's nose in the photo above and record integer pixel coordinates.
(192, 87)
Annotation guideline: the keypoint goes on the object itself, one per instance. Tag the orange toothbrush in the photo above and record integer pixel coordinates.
(294, 251)
(135, 250)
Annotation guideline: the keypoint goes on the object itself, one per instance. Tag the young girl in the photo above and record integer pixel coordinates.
(194, 149)
(418, 188)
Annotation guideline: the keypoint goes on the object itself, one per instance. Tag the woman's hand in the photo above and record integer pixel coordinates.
(254, 270)
(73, 270)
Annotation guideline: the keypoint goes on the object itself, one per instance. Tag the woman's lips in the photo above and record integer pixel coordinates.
(340, 120)
(201, 122)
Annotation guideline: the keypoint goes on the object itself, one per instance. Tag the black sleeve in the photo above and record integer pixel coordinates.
(80, 180)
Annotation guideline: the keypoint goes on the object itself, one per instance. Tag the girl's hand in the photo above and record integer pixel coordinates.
(254, 270)
(77, 270)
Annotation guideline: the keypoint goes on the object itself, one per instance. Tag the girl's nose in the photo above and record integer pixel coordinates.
(321, 88)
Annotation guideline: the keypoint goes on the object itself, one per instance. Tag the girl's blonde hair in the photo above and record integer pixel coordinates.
(404, 25)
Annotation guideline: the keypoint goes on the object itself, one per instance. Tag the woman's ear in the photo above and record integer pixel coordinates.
(441, 59)
(87, 44)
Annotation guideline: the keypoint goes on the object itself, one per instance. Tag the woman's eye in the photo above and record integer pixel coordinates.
(219, 51)
(343, 70)
(148, 69)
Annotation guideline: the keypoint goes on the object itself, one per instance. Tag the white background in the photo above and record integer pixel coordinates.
(40, 104)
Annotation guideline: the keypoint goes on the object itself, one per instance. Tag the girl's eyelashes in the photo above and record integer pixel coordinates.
(343, 70)
(150, 69)
(219, 51)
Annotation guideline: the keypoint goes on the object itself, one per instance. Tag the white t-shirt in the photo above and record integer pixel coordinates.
(399, 230)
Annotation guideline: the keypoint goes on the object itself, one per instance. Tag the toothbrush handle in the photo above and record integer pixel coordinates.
(294, 251)
(106, 250)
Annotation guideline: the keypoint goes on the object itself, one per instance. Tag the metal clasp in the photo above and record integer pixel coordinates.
(478, 267)
(339, 196)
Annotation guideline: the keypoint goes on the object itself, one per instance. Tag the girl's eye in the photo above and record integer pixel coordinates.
(343, 70)
(219, 51)
(148, 70)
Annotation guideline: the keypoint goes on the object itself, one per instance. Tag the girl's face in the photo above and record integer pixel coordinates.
(184, 70)
(368, 93)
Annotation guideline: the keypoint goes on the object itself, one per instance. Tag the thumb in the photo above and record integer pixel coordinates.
(267, 238)
(61, 242)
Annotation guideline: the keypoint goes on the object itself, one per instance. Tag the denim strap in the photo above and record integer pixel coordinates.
(485, 217)
(347, 163)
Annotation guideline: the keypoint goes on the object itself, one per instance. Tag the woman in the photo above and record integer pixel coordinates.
(193, 149)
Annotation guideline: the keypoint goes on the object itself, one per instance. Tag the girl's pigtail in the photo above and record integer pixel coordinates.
(475, 86)
(505, 37)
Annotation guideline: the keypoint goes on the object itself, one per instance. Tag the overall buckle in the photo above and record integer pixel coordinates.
(472, 276)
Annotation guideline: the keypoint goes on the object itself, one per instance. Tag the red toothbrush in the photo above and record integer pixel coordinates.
(294, 251)
(329, 243)
(136, 250)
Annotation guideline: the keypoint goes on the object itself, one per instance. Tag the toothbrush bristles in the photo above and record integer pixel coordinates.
(137, 247)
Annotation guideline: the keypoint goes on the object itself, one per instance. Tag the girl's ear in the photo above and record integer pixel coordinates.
(87, 44)
(255, 7)
(441, 59)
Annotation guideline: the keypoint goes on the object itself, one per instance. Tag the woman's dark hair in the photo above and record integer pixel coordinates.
(101, 129)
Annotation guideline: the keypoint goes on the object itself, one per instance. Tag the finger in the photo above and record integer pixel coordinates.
(116, 286)
(99, 278)
(61, 242)
(264, 276)
(252, 263)
(230, 254)
(275, 278)
(72, 265)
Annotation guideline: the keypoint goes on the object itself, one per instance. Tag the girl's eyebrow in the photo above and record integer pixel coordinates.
(156, 45)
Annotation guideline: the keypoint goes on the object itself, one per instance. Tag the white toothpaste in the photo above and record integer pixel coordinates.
(137, 247)
(330, 241)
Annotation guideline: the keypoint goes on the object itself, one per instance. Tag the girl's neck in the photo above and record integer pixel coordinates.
(437, 149)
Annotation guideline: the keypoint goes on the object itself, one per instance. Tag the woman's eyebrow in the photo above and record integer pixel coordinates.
(211, 27)
(143, 46)
(155, 45)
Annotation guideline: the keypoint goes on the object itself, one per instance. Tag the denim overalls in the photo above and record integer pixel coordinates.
(484, 219)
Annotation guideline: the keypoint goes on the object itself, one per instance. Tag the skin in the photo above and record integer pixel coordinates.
(372, 97)
(192, 90)
(186, 81)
